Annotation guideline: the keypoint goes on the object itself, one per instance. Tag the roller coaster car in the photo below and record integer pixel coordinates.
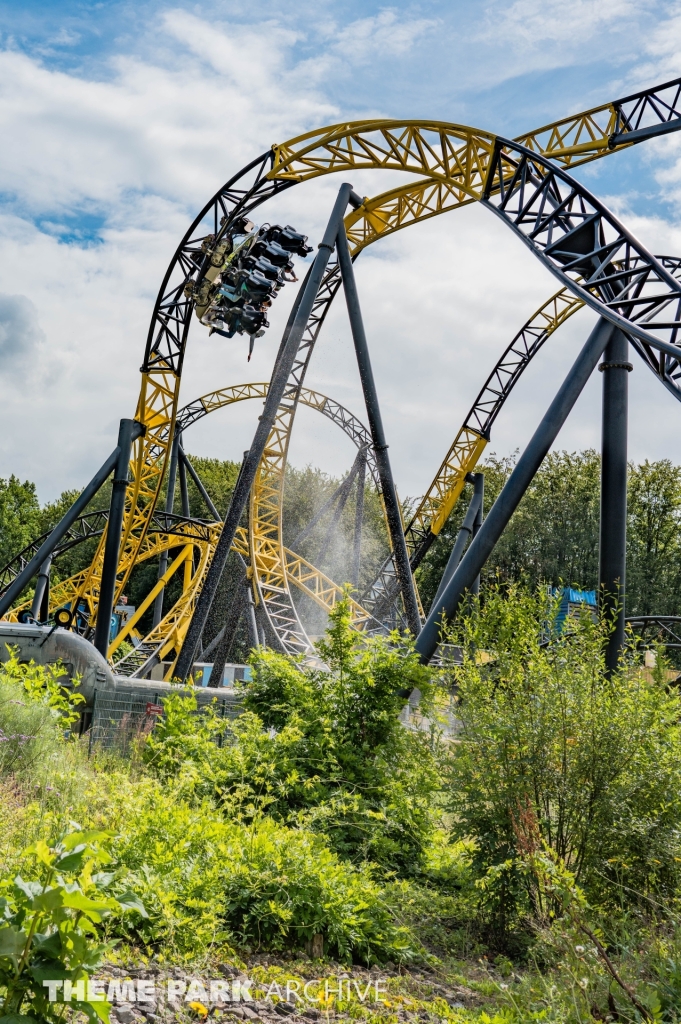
(289, 239)
(246, 268)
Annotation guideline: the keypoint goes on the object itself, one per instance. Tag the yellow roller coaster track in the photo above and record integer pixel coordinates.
(169, 633)
(453, 161)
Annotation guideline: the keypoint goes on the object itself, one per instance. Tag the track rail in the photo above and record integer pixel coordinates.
(454, 161)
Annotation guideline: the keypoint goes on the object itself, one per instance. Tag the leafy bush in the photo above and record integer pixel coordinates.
(49, 928)
(207, 882)
(550, 744)
(323, 749)
(36, 714)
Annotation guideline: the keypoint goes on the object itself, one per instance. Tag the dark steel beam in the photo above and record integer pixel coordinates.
(62, 527)
(613, 525)
(359, 521)
(112, 544)
(343, 495)
(170, 501)
(478, 488)
(275, 393)
(253, 637)
(462, 538)
(343, 486)
(380, 446)
(199, 486)
(42, 589)
(234, 614)
(184, 492)
(640, 134)
(499, 515)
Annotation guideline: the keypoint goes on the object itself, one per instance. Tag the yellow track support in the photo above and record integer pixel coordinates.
(156, 410)
(320, 588)
(468, 445)
(454, 160)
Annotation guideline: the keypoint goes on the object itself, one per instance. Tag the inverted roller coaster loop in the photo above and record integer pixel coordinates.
(453, 158)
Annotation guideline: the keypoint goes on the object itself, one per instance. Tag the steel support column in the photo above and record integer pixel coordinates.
(613, 526)
(359, 521)
(343, 493)
(42, 592)
(503, 508)
(253, 637)
(462, 538)
(478, 488)
(112, 544)
(199, 486)
(321, 512)
(184, 492)
(50, 543)
(236, 610)
(170, 502)
(392, 507)
(280, 375)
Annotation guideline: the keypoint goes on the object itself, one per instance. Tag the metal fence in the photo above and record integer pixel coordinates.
(118, 720)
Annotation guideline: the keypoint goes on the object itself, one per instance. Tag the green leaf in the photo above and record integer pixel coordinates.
(48, 970)
(29, 889)
(103, 878)
(95, 1010)
(18, 1018)
(49, 900)
(72, 861)
(42, 852)
(131, 901)
(103, 1011)
(12, 941)
(91, 836)
(48, 945)
(79, 901)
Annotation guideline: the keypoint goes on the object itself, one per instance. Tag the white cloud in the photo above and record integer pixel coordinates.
(142, 149)
(20, 334)
(537, 22)
(176, 128)
(384, 33)
(663, 49)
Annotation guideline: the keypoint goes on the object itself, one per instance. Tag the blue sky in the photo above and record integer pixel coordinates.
(120, 119)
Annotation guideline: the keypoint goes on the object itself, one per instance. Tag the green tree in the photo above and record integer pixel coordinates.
(553, 537)
(549, 743)
(19, 516)
(218, 476)
(653, 539)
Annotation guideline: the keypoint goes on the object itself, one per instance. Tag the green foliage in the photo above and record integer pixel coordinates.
(553, 536)
(205, 880)
(653, 551)
(123, 648)
(35, 708)
(50, 926)
(320, 748)
(218, 477)
(19, 514)
(594, 763)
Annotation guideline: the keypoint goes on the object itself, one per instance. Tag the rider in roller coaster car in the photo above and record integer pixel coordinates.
(247, 268)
